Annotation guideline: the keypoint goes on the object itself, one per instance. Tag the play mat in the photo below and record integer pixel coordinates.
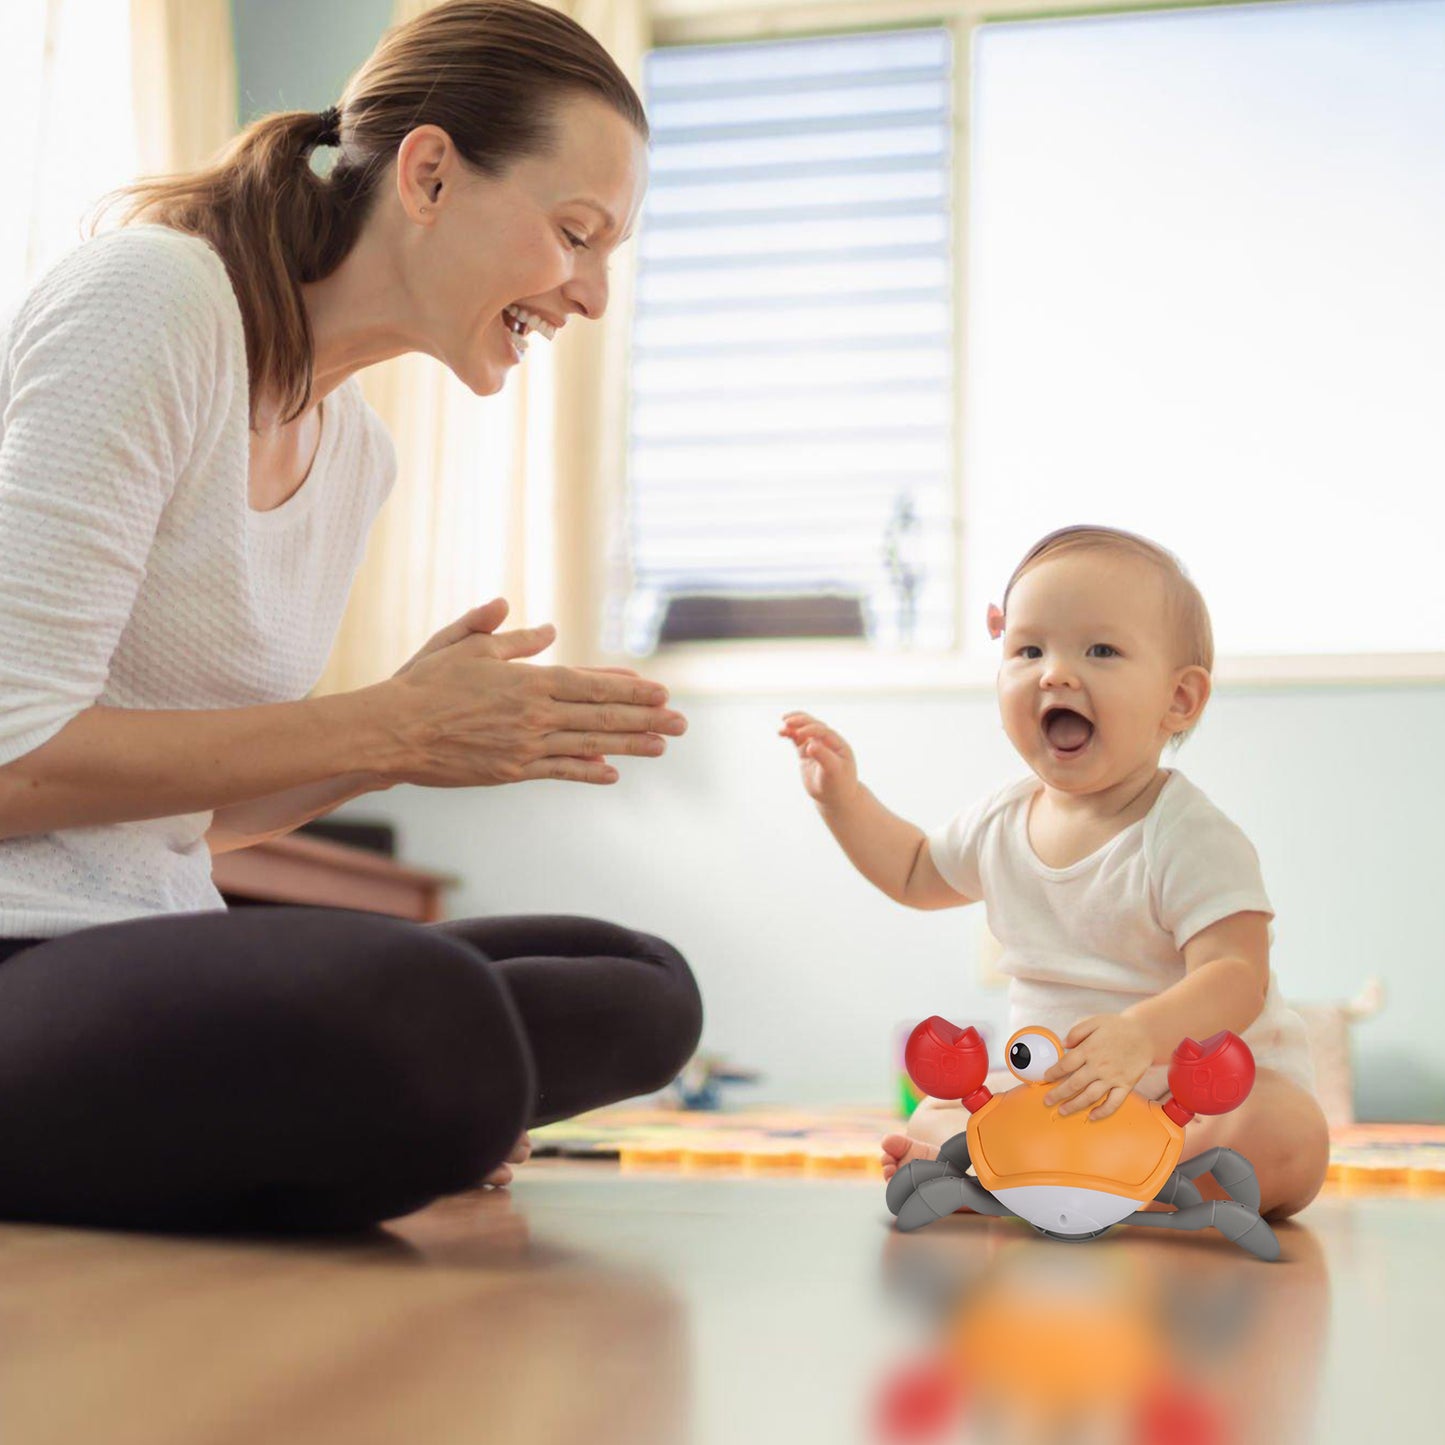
(763, 1140)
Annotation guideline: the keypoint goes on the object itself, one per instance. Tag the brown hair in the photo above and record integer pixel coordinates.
(1193, 632)
(488, 72)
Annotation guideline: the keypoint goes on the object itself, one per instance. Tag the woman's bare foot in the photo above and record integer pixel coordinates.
(502, 1175)
(899, 1149)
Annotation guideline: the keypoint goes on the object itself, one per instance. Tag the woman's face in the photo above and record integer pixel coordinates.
(538, 238)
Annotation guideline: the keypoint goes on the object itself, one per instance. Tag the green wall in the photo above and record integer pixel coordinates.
(298, 54)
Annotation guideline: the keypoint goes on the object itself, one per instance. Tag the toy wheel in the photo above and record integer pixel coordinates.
(1073, 1238)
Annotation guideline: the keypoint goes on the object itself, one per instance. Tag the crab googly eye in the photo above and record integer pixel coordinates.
(1031, 1054)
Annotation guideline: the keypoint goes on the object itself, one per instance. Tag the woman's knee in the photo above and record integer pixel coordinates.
(609, 1012)
(676, 1012)
(421, 1050)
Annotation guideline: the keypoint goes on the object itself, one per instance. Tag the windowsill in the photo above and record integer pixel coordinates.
(847, 667)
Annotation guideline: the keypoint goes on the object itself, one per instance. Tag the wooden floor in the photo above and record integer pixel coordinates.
(588, 1305)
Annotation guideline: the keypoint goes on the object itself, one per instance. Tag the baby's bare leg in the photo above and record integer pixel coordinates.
(932, 1124)
(936, 1121)
(1281, 1130)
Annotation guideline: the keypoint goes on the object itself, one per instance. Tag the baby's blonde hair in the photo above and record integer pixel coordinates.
(1193, 633)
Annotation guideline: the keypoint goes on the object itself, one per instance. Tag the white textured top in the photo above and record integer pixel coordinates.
(133, 571)
(1109, 930)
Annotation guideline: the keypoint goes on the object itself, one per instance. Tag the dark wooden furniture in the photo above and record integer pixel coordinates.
(319, 871)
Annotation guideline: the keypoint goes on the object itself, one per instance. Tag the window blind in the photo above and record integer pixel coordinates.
(790, 446)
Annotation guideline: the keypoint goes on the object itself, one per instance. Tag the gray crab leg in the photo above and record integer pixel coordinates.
(1233, 1220)
(952, 1161)
(938, 1198)
(1232, 1172)
(1178, 1191)
(955, 1151)
(927, 1189)
(914, 1173)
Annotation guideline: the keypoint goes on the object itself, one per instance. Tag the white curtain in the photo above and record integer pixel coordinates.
(183, 71)
(452, 534)
(591, 410)
(502, 496)
(70, 72)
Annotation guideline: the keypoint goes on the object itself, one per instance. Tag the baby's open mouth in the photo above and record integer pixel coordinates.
(1067, 730)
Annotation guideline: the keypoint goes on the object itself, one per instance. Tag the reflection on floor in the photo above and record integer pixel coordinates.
(659, 1309)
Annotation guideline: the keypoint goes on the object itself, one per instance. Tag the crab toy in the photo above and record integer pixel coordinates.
(1069, 1176)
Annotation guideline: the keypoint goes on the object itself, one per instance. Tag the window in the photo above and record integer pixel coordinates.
(791, 451)
(1206, 302)
(64, 66)
(1197, 262)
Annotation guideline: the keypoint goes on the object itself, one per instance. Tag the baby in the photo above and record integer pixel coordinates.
(1130, 910)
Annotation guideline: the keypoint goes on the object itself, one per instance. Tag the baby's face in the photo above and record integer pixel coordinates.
(1089, 670)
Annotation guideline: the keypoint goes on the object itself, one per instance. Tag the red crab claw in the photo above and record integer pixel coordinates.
(948, 1062)
(1209, 1078)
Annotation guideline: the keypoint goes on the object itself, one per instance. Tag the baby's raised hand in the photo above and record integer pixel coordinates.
(830, 771)
(1107, 1055)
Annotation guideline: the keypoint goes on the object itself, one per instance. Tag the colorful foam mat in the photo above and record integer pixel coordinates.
(1408, 1157)
(756, 1140)
(1388, 1156)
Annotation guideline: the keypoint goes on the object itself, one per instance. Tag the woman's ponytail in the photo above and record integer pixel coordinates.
(275, 223)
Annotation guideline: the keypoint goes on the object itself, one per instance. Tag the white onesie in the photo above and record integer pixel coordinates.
(1109, 930)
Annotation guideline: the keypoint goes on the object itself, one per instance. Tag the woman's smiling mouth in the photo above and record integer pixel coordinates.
(519, 324)
(520, 321)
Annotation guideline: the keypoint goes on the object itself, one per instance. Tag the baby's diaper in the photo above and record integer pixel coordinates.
(1278, 1041)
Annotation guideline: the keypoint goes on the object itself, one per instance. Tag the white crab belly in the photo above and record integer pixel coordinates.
(1066, 1209)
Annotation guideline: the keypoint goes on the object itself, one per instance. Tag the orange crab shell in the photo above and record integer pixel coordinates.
(1016, 1140)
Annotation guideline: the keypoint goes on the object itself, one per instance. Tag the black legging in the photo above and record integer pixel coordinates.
(311, 1069)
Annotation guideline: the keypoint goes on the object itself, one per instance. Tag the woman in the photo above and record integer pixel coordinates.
(187, 473)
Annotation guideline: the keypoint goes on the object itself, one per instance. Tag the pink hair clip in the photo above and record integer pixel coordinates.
(995, 621)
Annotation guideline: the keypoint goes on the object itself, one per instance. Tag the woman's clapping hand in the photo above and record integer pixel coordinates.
(471, 712)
